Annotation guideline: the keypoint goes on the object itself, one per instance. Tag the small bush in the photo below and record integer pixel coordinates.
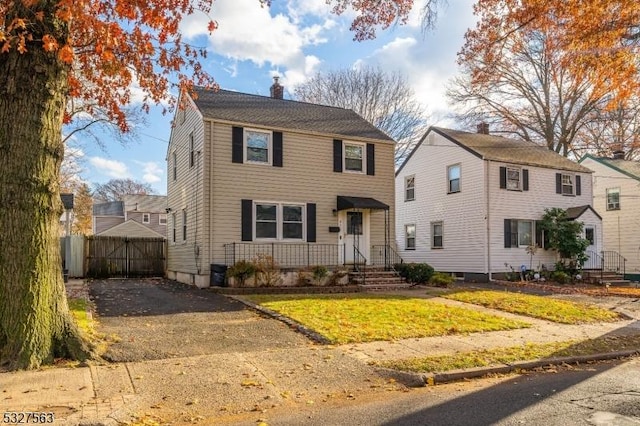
(440, 279)
(303, 279)
(336, 276)
(417, 273)
(318, 273)
(241, 271)
(402, 269)
(267, 271)
(560, 277)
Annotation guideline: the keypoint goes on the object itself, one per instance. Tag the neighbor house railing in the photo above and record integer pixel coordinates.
(385, 255)
(605, 261)
(287, 255)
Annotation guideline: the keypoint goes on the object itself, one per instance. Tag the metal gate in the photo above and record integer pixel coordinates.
(108, 257)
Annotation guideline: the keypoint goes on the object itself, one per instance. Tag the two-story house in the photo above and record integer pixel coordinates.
(468, 203)
(256, 175)
(141, 216)
(616, 196)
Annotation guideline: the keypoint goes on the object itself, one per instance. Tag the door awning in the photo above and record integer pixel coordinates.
(345, 203)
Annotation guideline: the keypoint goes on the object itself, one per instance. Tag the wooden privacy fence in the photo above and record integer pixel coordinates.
(124, 257)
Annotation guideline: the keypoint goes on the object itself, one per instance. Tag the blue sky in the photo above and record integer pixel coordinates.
(293, 39)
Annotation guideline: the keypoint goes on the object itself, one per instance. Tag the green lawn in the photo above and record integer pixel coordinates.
(546, 308)
(364, 318)
(530, 351)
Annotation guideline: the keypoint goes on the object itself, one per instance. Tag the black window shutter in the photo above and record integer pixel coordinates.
(277, 149)
(311, 222)
(525, 179)
(371, 159)
(558, 183)
(237, 136)
(578, 186)
(503, 177)
(507, 233)
(247, 220)
(337, 155)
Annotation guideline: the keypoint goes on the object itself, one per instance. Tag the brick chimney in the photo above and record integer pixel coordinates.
(618, 154)
(483, 128)
(277, 91)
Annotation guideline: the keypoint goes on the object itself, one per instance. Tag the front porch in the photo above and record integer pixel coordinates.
(604, 267)
(306, 255)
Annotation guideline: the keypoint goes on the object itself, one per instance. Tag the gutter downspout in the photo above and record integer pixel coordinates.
(488, 218)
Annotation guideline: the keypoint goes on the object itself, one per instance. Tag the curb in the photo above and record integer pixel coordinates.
(411, 379)
(318, 338)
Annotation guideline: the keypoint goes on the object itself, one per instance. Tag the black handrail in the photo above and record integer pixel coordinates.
(286, 255)
(385, 255)
(359, 263)
(613, 262)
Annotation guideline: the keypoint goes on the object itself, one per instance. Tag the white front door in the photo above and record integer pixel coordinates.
(590, 235)
(354, 233)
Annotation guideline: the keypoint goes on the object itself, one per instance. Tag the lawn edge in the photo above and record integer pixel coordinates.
(309, 333)
(414, 379)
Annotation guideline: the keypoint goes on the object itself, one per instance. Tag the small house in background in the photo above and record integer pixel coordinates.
(616, 197)
(470, 203)
(253, 176)
(132, 216)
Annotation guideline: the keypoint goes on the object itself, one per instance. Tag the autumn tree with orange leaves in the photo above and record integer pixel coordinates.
(91, 52)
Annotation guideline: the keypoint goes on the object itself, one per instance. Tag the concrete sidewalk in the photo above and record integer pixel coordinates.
(220, 387)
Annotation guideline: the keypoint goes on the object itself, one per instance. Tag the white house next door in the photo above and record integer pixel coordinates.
(354, 232)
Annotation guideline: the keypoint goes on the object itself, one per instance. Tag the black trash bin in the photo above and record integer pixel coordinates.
(218, 273)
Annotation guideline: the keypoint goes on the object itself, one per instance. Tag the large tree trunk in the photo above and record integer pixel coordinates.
(35, 323)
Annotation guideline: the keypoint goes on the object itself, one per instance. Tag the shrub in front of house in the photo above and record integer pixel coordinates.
(416, 273)
(241, 271)
(560, 277)
(267, 271)
(440, 279)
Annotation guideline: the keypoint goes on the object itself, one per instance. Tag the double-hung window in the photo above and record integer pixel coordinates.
(410, 237)
(174, 156)
(257, 146)
(437, 233)
(192, 153)
(613, 198)
(146, 218)
(520, 233)
(453, 178)
(513, 178)
(174, 224)
(279, 221)
(162, 219)
(567, 184)
(354, 157)
(410, 188)
(184, 224)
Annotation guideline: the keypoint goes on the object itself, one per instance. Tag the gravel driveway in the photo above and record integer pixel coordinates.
(157, 319)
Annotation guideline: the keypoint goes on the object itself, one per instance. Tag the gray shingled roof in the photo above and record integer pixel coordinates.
(265, 111)
(145, 203)
(497, 148)
(630, 168)
(574, 213)
(111, 208)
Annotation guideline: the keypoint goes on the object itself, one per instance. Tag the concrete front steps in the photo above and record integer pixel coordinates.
(612, 278)
(377, 278)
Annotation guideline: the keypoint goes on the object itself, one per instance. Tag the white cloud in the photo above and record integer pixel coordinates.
(249, 33)
(111, 168)
(152, 171)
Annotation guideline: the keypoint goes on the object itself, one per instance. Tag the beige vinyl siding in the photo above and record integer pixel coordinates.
(187, 192)
(131, 228)
(307, 176)
(526, 205)
(621, 228)
(154, 221)
(462, 214)
(102, 223)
